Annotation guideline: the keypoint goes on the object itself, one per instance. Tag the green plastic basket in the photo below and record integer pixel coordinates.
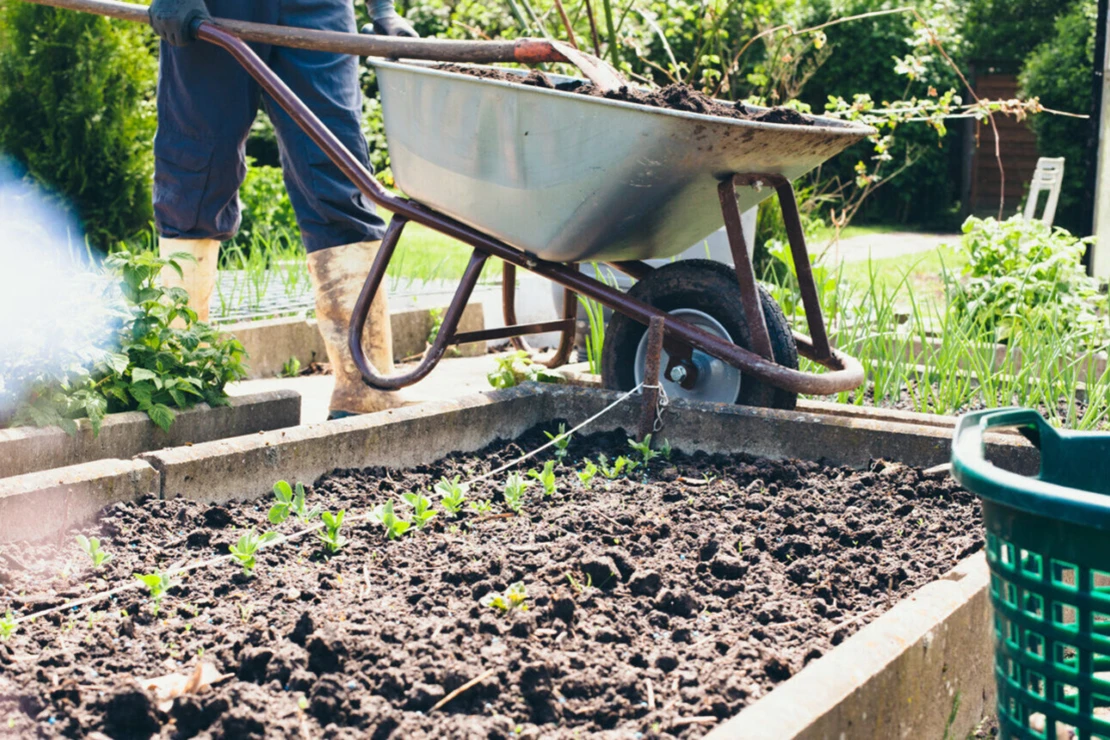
(1048, 547)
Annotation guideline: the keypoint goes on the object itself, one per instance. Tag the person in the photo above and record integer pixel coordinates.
(206, 105)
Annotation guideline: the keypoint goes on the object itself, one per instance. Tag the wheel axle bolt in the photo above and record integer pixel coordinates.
(677, 374)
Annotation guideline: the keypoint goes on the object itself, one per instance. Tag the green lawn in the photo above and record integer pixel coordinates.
(424, 254)
(923, 272)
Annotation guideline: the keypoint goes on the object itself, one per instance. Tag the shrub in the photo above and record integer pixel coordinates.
(76, 112)
(267, 210)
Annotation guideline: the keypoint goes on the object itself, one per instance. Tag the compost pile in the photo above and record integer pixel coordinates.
(659, 602)
(674, 97)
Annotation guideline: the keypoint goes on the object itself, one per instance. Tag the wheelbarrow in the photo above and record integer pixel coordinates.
(546, 179)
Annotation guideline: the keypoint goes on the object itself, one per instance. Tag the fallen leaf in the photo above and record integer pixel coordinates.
(172, 685)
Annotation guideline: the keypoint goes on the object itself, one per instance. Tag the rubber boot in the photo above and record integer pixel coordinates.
(337, 277)
(198, 278)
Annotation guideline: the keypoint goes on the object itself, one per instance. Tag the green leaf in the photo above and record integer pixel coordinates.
(117, 362)
(139, 374)
(161, 415)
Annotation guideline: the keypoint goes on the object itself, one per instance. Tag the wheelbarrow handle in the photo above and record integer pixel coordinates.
(522, 51)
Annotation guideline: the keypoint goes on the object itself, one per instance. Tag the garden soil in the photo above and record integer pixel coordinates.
(674, 97)
(658, 604)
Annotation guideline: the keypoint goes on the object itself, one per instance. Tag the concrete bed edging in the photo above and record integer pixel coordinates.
(123, 436)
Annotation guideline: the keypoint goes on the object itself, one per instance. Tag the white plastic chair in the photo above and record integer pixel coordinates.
(1048, 176)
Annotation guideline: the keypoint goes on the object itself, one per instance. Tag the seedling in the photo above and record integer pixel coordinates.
(515, 486)
(481, 506)
(453, 493)
(291, 368)
(644, 448)
(514, 597)
(7, 626)
(394, 525)
(562, 441)
(665, 448)
(546, 478)
(333, 541)
(91, 546)
(157, 584)
(586, 475)
(243, 551)
(617, 468)
(421, 508)
(290, 501)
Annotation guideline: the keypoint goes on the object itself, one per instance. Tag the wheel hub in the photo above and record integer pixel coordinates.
(714, 380)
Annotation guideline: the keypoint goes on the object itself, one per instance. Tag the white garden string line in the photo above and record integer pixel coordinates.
(282, 538)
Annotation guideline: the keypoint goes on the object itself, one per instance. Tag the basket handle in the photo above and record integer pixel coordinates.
(975, 472)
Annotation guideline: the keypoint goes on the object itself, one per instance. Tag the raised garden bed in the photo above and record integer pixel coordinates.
(370, 640)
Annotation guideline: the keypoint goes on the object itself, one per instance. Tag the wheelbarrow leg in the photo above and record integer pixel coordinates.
(745, 273)
(446, 333)
(570, 313)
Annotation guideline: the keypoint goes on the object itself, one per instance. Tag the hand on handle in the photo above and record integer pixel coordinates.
(387, 22)
(176, 21)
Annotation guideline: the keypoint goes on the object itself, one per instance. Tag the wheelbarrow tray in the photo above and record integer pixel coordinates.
(572, 178)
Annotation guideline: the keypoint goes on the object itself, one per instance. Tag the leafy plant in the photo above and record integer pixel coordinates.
(644, 448)
(665, 448)
(614, 471)
(291, 502)
(561, 440)
(516, 368)
(91, 547)
(291, 368)
(7, 626)
(267, 210)
(481, 506)
(546, 478)
(155, 367)
(333, 541)
(514, 597)
(586, 475)
(243, 551)
(515, 486)
(394, 525)
(453, 494)
(421, 508)
(157, 583)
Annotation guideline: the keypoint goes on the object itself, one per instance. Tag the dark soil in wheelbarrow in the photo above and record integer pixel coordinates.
(674, 97)
(658, 604)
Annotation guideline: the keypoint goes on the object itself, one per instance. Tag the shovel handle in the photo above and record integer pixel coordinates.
(523, 51)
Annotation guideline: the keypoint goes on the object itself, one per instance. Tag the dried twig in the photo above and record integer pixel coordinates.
(650, 696)
(466, 686)
(593, 28)
(706, 719)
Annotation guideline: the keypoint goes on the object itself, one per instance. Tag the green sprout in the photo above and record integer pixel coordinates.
(421, 508)
(514, 597)
(91, 546)
(586, 475)
(561, 440)
(481, 506)
(157, 584)
(546, 478)
(394, 525)
(291, 368)
(665, 448)
(243, 551)
(617, 468)
(333, 541)
(7, 626)
(644, 448)
(291, 502)
(453, 493)
(515, 486)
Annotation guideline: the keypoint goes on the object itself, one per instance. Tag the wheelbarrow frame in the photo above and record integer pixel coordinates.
(680, 338)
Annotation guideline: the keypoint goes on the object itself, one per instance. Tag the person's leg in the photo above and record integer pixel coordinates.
(340, 228)
(206, 104)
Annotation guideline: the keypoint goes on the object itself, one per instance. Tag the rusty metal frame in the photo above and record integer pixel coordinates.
(845, 373)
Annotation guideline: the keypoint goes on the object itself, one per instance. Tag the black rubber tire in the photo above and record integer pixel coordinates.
(712, 288)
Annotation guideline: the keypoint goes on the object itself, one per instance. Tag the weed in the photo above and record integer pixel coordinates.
(515, 486)
(394, 525)
(333, 541)
(243, 551)
(586, 475)
(157, 584)
(453, 493)
(481, 506)
(546, 478)
(665, 448)
(421, 508)
(291, 368)
(91, 546)
(291, 502)
(516, 368)
(617, 468)
(561, 440)
(7, 626)
(644, 448)
(514, 597)
(574, 584)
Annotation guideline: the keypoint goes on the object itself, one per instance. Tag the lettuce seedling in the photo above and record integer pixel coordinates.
(481, 506)
(453, 493)
(394, 525)
(291, 502)
(333, 541)
(421, 508)
(243, 551)
(515, 486)
(514, 597)
(157, 584)
(665, 448)
(7, 626)
(617, 468)
(586, 475)
(91, 546)
(561, 440)
(546, 478)
(644, 448)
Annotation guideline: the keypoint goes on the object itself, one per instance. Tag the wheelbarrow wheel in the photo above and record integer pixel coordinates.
(706, 294)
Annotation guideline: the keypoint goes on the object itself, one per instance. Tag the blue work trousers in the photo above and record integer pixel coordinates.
(207, 103)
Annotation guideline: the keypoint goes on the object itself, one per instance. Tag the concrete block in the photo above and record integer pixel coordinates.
(49, 503)
(122, 436)
(924, 669)
(247, 467)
